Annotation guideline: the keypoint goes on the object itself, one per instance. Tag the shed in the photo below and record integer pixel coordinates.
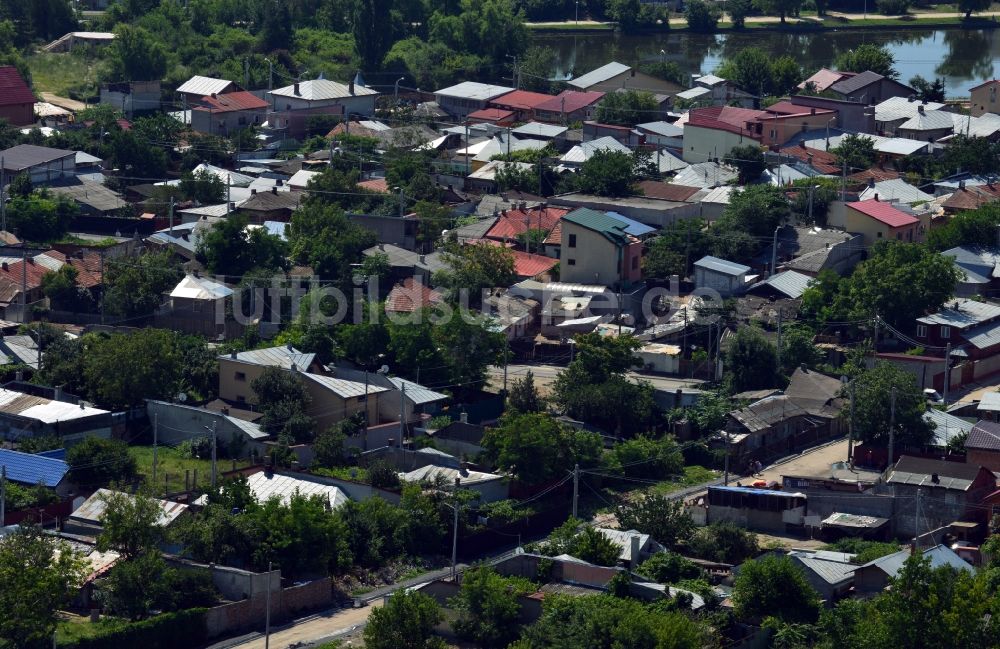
(726, 277)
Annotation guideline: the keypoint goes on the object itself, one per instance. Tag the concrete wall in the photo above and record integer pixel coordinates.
(985, 99)
(726, 285)
(177, 423)
(704, 144)
(754, 519)
(988, 459)
(214, 123)
(232, 583)
(285, 603)
(235, 378)
(593, 260)
(874, 231)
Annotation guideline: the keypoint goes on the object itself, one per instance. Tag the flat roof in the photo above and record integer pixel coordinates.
(474, 90)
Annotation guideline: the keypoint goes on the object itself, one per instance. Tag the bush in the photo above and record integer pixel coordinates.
(702, 16)
(668, 568)
(893, 7)
(723, 542)
(167, 631)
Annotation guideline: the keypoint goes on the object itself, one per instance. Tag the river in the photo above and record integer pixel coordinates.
(961, 57)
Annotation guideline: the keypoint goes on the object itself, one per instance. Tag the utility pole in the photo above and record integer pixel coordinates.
(892, 424)
(103, 287)
(402, 416)
(850, 430)
(3, 494)
(171, 215)
(454, 534)
(3, 199)
(215, 431)
(778, 349)
(947, 373)
(24, 285)
(725, 477)
(467, 160)
(576, 487)
(506, 350)
(155, 440)
(267, 610)
(774, 251)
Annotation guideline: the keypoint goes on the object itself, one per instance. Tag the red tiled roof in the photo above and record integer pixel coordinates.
(570, 101)
(725, 118)
(884, 212)
(233, 101)
(971, 198)
(824, 79)
(876, 174)
(667, 191)
(554, 237)
(411, 296)
(353, 128)
(511, 223)
(13, 89)
(491, 115)
(520, 100)
(380, 185)
(985, 83)
(822, 161)
(529, 265)
(788, 109)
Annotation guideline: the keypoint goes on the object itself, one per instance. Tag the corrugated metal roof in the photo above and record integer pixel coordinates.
(767, 412)
(963, 314)
(857, 82)
(939, 556)
(283, 487)
(989, 402)
(280, 356)
(633, 227)
(664, 129)
(447, 475)
(417, 393)
(709, 262)
(832, 572)
(538, 129)
(200, 288)
(984, 336)
(791, 283)
(921, 472)
(984, 435)
(586, 150)
(603, 73)
(901, 108)
(884, 213)
(704, 174)
(24, 156)
(474, 90)
(26, 468)
(623, 539)
(343, 387)
(92, 509)
(896, 189)
(13, 89)
(204, 86)
(946, 426)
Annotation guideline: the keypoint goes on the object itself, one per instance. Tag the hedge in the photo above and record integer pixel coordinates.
(166, 631)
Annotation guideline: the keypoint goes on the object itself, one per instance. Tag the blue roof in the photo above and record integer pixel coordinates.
(635, 228)
(753, 490)
(33, 469)
(57, 453)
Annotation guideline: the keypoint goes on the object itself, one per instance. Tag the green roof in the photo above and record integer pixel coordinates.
(599, 222)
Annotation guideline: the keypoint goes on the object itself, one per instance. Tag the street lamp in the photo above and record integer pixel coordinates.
(395, 90)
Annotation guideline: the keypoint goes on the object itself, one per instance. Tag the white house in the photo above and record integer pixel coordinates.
(726, 277)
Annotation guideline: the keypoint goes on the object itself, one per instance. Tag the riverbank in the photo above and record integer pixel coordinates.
(830, 22)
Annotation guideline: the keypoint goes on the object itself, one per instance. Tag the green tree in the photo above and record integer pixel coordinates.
(21, 186)
(868, 56)
(872, 402)
(678, 245)
(663, 518)
(406, 621)
(976, 228)
(535, 447)
(738, 11)
(61, 288)
(135, 286)
(970, 6)
(129, 525)
(475, 268)
(204, 186)
(647, 457)
(524, 395)
(797, 348)
(95, 462)
(666, 70)
(302, 537)
(231, 248)
(136, 55)
(329, 446)
(702, 16)
(668, 568)
(488, 607)
(125, 369)
(899, 282)
(40, 575)
(276, 30)
(774, 586)
(749, 162)
(321, 236)
(758, 72)
(372, 38)
(756, 210)
(592, 546)
(283, 399)
(723, 542)
(40, 217)
(751, 361)
(537, 68)
(780, 7)
(627, 108)
(928, 90)
(607, 173)
(856, 151)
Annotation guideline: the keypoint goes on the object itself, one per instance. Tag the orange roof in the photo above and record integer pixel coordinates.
(521, 100)
(491, 115)
(529, 265)
(232, 102)
(824, 79)
(971, 198)
(884, 213)
(410, 296)
(822, 161)
(667, 191)
(555, 235)
(876, 174)
(380, 185)
(513, 223)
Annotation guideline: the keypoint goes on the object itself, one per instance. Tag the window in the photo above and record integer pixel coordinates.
(946, 332)
(241, 376)
(921, 331)
(774, 134)
(899, 236)
(241, 398)
(571, 262)
(635, 263)
(361, 399)
(879, 234)
(572, 241)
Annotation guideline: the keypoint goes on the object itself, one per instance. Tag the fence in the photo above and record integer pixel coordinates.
(285, 603)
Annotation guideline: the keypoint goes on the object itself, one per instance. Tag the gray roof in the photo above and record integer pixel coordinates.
(705, 174)
(401, 257)
(322, 90)
(623, 539)
(717, 265)
(939, 556)
(984, 336)
(968, 314)
(946, 426)
(417, 393)
(665, 129)
(538, 129)
(989, 402)
(474, 90)
(767, 412)
(791, 283)
(921, 472)
(603, 73)
(283, 357)
(204, 86)
(895, 189)
(901, 108)
(276, 485)
(24, 156)
(93, 508)
(933, 120)
(832, 572)
(343, 387)
(980, 265)
(984, 435)
(856, 82)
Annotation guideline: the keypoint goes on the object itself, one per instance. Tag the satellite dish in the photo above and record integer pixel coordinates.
(384, 369)
(182, 397)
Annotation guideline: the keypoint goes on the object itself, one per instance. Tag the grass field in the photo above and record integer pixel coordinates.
(71, 628)
(173, 465)
(63, 74)
(693, 475)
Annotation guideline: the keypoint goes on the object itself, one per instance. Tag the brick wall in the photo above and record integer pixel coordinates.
(286, 603)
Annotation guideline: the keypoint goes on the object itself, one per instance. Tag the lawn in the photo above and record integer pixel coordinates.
(66, 75)
(693, 475)
(172, 464)
(71, 628)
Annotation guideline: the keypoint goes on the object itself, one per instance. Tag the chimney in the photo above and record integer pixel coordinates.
(253, 192)
(232, 354)
(5, 266)
(634, 540)
(935, 479)
(920, 109)
(381, 246)
(910, 98)
(350, 87)
(274, 190)
(232, 206)
(423, 258)
(961, 184)
(225, 410)
(876, 197)
(19, 376)
(289, 347)
(464, 417)
(871, 182)
(279, 183)
(215, 96)
(678, 398)
(296, 88)
(294, 368)
(31, 260)
(812, 111)
(57, 393)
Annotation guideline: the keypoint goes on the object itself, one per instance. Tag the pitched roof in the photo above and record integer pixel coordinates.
(280, 356)
(13, 89)
(971, 198)
(540, 129)
(856, 82)
(946, 426)
(570, 101)
(985, 435)
(666, 191)
(603, 73)
(514, 223)
(725, 118)
(895, 189)
(231, 102)
(521, 99)
(962, 313)
(705, 174)
(884, 213)
(918, 471)
(709, 262)
(585, 150)
(380, 185)
(491, 114)
(200, 288)
(474, 90)
(276, 485)
(322, 89)
(763, 414)
(824, 78)
(204, 86)
(411, 295)
(92, 510)
(793, 284)
(24, 156)
(985, 83)
(600, 222)
(344, 388)
(527, 264)
(939, 556)
(29, 469)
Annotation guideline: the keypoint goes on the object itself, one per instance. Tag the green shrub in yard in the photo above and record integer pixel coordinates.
(167, 631)
(893, 7)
